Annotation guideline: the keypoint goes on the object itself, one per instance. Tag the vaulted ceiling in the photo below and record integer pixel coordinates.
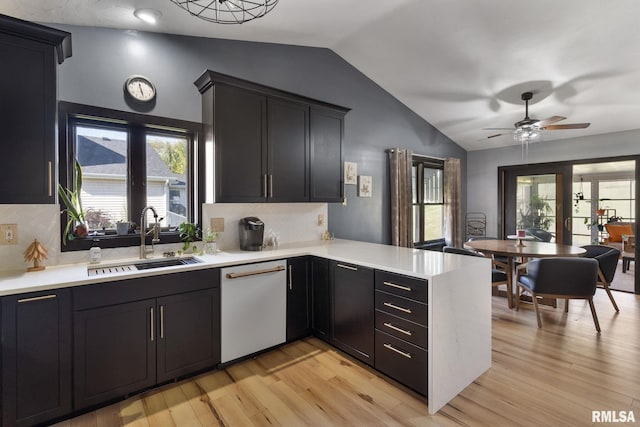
(460, 64)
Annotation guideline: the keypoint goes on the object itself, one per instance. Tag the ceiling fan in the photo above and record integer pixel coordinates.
(529, 129)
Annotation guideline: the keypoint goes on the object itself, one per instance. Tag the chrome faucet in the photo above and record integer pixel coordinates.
(143, 226)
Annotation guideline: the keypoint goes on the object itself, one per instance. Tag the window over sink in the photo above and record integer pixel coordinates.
(128, 161)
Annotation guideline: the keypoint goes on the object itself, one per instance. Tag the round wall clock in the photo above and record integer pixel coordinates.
(139, 88)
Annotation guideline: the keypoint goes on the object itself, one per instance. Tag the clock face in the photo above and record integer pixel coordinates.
(140, 88)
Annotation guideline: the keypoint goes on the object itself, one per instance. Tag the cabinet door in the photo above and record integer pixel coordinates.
(288, 151)
(188, 333)
(320, 299)
(240, 144)
(36, 357)
(353, 310)
(297, 299)
(114, 351)
(27, 120)
(326, 130)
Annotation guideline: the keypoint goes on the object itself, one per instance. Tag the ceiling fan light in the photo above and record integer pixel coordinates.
(150, 16)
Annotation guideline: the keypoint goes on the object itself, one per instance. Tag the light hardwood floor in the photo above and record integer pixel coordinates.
(553, 376)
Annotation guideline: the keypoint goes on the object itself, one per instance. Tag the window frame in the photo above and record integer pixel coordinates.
(70, 114)
(421, 162)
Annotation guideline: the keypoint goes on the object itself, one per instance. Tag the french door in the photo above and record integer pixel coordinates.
(536, 198)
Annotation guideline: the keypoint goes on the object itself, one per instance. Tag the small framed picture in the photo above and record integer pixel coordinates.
(364, 186)
(350, 173)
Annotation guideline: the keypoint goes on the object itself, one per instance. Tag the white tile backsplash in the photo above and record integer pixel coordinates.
(293, 222)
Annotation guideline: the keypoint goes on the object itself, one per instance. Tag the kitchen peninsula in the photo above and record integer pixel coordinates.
(456, 298)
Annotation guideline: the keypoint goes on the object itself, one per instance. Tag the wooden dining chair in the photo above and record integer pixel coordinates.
(498, 277)
(565, 278)
(607, 257)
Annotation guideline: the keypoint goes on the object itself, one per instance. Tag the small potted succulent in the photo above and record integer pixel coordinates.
(210, 238)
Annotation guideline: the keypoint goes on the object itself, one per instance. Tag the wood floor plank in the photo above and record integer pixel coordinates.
(556, 376)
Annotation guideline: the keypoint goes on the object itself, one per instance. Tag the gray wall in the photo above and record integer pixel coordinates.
(482, 170)
(103, 58)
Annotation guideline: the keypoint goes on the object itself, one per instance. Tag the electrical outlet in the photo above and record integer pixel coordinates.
(320, 219)
(217, 224)
(8, 234)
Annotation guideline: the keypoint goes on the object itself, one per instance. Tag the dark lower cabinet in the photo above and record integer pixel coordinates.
(115, 352)
(188, 333)
(136, 333)
(36, 357)
(320, 299)
(298, 318)
(353, 310)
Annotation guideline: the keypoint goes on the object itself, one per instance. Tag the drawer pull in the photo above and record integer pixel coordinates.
(394, 285)
(392, 348)
(23, 300)
(255, 272)
(348, 267)
(405, 310)
(395, 328)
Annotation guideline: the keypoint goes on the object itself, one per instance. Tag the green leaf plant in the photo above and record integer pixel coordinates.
(73, 205)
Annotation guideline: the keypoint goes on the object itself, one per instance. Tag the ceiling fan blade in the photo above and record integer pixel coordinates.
(497, 128)
(570, 126)
(548, 121)
(497, 134)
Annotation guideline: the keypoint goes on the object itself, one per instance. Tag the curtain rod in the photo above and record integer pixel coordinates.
(391, 150)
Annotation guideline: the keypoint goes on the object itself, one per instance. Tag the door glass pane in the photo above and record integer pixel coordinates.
(536, 202)
(167, 183)
(102, 153)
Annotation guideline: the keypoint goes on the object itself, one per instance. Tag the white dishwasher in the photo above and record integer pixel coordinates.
(253, 312)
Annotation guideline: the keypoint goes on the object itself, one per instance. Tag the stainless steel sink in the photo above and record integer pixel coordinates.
(140, 265)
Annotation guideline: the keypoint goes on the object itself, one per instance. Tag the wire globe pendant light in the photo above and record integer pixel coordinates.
(227, 11)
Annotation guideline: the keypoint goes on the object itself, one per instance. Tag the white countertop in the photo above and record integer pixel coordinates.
(411, 262)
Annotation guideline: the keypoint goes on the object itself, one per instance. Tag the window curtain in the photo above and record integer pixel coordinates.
(452, 208)
(400, 162)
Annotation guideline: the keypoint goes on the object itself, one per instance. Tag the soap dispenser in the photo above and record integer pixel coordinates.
(95, 253)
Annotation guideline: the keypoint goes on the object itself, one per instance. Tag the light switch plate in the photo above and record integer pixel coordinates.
(8, 234)
(217, 224)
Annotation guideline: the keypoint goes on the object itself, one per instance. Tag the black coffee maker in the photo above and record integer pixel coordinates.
(251, 233)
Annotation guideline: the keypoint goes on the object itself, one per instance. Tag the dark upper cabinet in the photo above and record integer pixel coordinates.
(28, 53)
(320, 298)
(36, 357)
(288, 151)
(327, 130)
(271, 145)
(353, 309)
(240, 145)
(298, 316)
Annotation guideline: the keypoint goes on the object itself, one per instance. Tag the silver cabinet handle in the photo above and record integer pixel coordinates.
(392, 348)
(394, 285)
(290, 278)
(395, 328)
(348, 267)
(254, 272)
(152, 322)
(406, 310)
(264, 186)
(270, 185)
(50, 173)
(162, 321)
(32, 299)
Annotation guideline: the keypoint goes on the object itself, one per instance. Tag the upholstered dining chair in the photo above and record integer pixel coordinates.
(498, 277)
(539, 234)
(607, 257)
(566, 278)
(499, 261)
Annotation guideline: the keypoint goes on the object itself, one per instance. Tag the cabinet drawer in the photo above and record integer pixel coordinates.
(401, 328)
(413, 311)
(404, 286)
(402, 361)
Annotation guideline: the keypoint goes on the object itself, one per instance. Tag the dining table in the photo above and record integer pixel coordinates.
(513, 249)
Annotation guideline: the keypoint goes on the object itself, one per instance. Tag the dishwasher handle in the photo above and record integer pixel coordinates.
(255, 272)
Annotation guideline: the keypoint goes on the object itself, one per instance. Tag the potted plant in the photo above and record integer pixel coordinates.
(76, 219)
(210, 238)
(189, 233)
